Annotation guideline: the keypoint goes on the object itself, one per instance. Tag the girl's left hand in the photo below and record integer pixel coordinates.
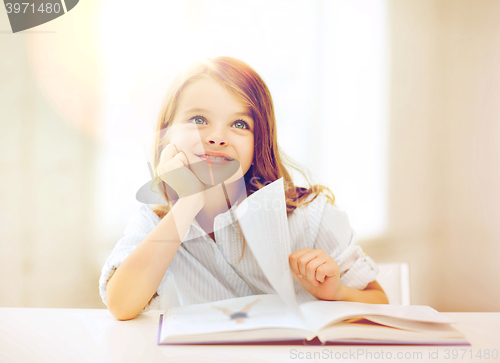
(317, 272)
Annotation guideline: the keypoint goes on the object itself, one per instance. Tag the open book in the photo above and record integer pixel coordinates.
(278, 318)
(265, 318)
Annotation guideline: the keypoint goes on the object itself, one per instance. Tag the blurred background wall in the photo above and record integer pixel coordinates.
(419, 175)
(48, 115)
(444, 152)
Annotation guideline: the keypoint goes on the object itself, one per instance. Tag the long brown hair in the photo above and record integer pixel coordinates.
(269, 163)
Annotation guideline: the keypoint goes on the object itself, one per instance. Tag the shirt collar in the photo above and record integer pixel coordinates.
(221, 220)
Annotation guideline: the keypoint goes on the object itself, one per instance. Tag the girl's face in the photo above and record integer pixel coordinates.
(213, 128)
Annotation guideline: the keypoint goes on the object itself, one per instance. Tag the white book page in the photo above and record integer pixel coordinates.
(319, 314)
(366, 333)
(428, 328)
(264, 223)
(238, 314)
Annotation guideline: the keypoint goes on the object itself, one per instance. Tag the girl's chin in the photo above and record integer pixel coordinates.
(211, 175)
(236, 178)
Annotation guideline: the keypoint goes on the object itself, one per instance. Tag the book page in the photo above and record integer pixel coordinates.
(254, 312)
(411, 325)
(264, 223)
(371, 332)
(322, 313)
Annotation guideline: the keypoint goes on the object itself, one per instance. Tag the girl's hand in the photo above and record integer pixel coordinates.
(174, 170)
(317, 272)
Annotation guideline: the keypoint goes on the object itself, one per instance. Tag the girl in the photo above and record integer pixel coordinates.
(217, 125)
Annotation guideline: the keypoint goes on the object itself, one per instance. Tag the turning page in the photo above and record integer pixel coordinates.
(264, 223)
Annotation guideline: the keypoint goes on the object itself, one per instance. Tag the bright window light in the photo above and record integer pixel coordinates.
(324, 62)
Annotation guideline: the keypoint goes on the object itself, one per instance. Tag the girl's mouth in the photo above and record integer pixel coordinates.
(214, 160)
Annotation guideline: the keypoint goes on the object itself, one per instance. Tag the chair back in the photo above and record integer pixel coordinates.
(395, 280)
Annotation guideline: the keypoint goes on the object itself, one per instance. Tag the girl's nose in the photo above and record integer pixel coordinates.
(217, 138)
(215, 141)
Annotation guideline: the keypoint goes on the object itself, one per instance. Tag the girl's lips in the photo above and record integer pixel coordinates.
(213, 160)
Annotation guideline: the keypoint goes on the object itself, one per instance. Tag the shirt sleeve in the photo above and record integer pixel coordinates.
(334, 235)
(142, 222)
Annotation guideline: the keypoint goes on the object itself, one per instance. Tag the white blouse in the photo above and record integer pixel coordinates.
(205, 271)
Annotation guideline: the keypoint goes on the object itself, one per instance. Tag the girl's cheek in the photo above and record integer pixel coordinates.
(185, 138)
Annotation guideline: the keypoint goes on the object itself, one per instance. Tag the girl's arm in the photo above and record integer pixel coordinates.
(319, 274)
(373, 294)
(136, 280)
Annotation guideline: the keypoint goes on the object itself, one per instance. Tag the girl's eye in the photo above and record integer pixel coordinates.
(198, 120)
(240, 124)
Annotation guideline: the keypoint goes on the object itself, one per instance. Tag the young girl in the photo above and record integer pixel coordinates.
(216, 145)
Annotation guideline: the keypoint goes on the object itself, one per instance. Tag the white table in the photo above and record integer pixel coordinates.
(94, 335)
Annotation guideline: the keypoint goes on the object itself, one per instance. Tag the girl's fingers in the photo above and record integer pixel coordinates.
(182, 157)
(171, 159)
(303, 260)
(168, 153)
(312, 265)
(178, 161)
(293, 259)
(329, 268)
(312, 273)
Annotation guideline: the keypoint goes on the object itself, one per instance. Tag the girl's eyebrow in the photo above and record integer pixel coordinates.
(245, 113)
(195, 109)
(203, 110)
